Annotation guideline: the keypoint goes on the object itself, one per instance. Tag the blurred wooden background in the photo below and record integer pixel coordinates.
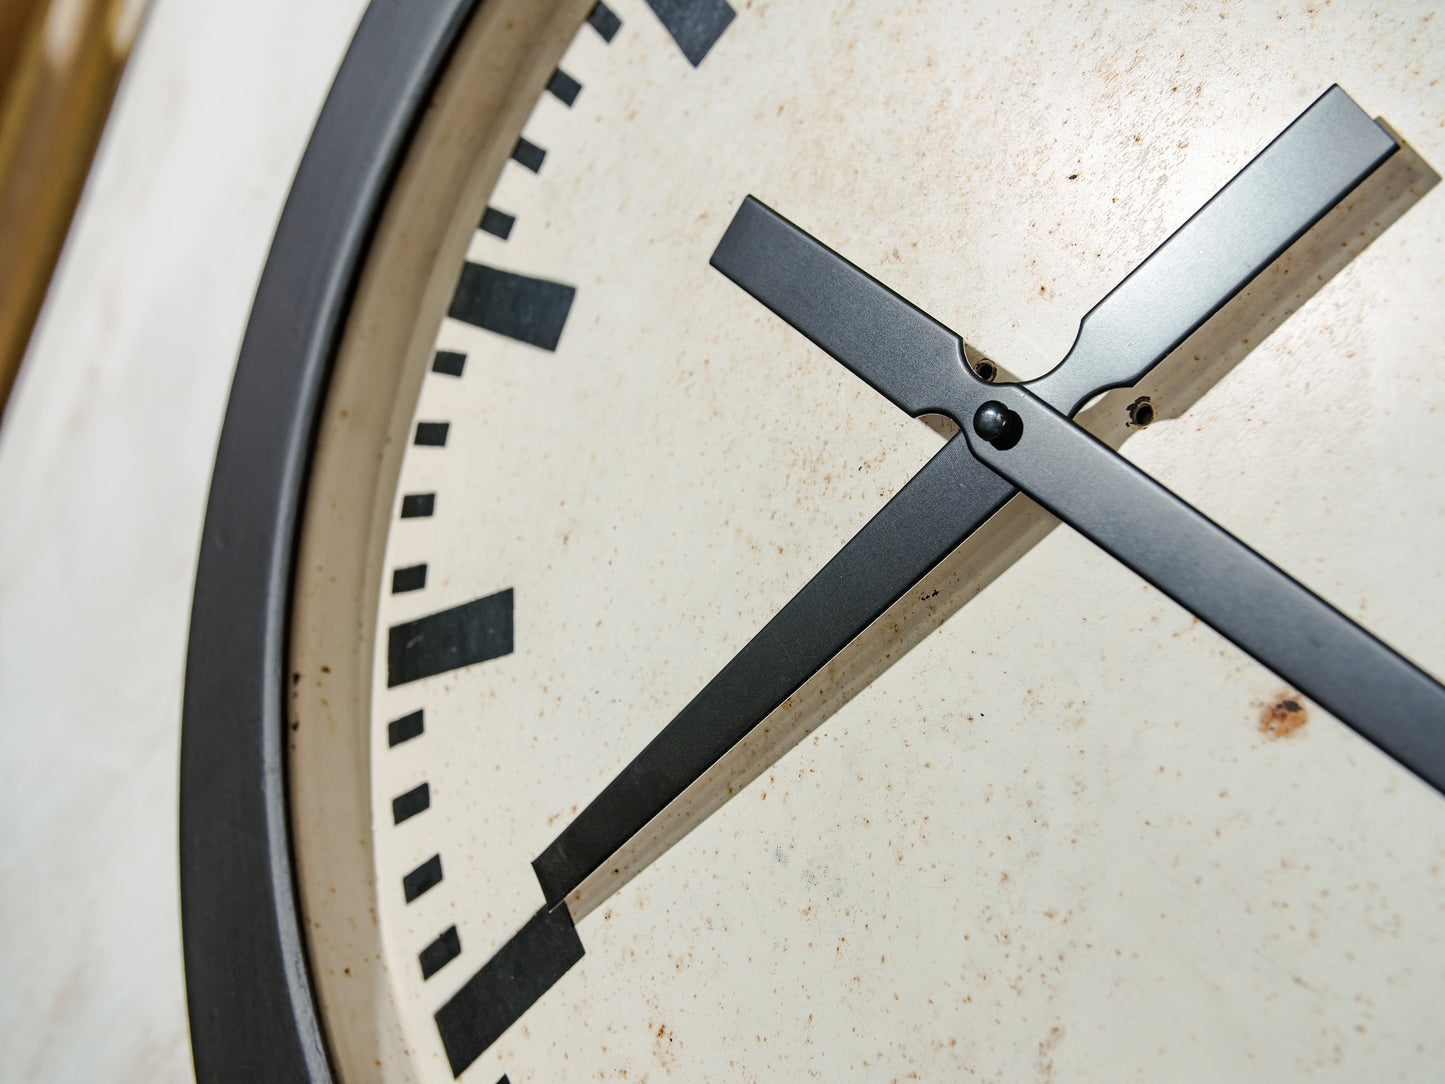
(60, 61)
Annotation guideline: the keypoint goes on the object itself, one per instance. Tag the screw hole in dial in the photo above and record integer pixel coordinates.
(1141, 413)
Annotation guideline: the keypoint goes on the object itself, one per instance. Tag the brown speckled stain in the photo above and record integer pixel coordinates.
(1284, 716)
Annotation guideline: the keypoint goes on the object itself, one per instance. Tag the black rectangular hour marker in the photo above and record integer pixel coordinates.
(527, 153)
(564, 88)
(497, 223)
(414, 801)
(603, 21)
(440, 952)
(694, 24)
(472, 632)
(422, 879)
(508, 985)
(418, 505)
(411, 578)
(448, 363)
(433, 434)
(404, 729)
(529, 310)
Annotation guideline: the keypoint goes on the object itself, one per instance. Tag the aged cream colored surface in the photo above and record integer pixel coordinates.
(105, 461)
(1062, 837)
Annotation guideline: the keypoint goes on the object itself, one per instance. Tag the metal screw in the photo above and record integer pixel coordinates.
(991, 420)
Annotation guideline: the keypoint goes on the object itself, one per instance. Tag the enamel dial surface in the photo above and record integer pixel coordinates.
(1045, 824)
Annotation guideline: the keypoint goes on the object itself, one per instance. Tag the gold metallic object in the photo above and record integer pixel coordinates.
(60, 61)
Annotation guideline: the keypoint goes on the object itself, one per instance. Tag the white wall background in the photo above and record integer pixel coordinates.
(105, 460)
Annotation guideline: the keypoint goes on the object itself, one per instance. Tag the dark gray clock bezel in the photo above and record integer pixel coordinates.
(250, 1000)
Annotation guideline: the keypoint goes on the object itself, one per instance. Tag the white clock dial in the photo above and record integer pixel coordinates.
(1064, 830)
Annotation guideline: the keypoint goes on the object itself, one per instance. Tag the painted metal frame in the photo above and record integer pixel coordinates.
(252, 1009)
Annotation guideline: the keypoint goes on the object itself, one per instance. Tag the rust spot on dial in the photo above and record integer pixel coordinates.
(1284, 716)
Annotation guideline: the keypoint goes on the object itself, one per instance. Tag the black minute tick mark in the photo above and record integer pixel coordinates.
(431, 434)
(404, 729)
(564, 88)
(418, 505)
(529, 155)
(412, 578)
(422, 879)
(604, 21)
(408, 805)
(497, 223)
(446, 948)
(449, 362)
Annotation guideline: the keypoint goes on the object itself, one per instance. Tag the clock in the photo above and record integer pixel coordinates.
(510, 472)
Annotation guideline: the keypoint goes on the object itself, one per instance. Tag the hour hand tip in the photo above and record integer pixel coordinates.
(894, 346)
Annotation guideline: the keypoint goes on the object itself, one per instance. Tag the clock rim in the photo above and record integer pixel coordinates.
(240, 920)
(497, 71)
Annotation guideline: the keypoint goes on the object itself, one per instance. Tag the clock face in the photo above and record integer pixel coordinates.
(1038, 820)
